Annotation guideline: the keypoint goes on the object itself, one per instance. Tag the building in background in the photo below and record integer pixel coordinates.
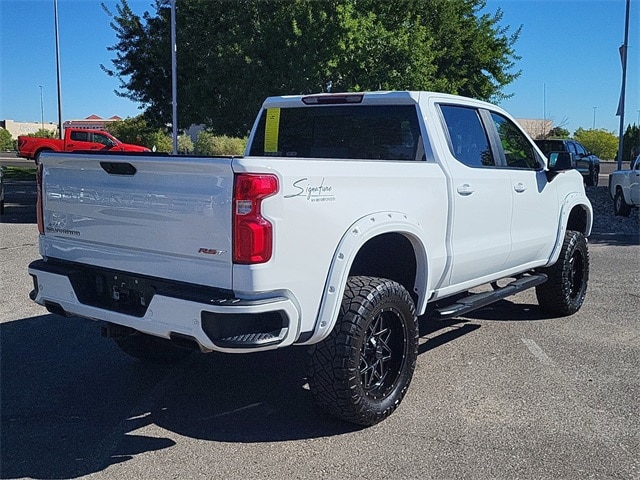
(92, 122)
(25, 128)
(535, 127)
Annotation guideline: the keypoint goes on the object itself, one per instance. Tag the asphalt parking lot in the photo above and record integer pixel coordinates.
(503, 393)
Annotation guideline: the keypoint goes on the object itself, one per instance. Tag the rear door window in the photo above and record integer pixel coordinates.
(380, 132)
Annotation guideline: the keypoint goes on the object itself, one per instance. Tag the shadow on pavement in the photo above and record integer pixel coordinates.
(19, 202)
(72, 403)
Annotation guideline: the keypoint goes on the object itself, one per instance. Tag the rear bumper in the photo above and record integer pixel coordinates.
(212, 319)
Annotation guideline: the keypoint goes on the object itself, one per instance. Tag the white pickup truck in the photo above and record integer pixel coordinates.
(347, 217)
(624, 188)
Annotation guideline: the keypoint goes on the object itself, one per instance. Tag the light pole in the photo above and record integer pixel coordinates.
(55, 16)
(41, 108)
(594, 117)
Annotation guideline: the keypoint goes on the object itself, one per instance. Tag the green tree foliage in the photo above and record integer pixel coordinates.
(559, 132)
(6, 141)
(599, 141)
(138, 131)
(130, 130)
(185, 144)
(208, 143)
(158, 141)
(631, 143)
(43, 133)
(231, 55)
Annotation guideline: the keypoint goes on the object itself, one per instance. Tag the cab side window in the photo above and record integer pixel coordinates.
(80, 136)
(98, 138)
(468, 139)
(518, 151)
(580, 149)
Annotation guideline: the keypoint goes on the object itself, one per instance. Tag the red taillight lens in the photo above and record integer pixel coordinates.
(252, 233)
(39, 203)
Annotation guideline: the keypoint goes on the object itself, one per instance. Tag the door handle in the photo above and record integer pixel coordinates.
(520, 188)
(465, 189)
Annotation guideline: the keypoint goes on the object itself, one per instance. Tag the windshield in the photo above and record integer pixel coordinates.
(385, 132)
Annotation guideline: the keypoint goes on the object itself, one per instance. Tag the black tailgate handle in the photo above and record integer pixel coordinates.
(118, 168)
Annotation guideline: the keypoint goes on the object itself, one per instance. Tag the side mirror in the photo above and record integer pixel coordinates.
(558, 162)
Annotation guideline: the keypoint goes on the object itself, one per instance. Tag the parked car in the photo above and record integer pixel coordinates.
(624, 188)
(585, 162)
(75, 139)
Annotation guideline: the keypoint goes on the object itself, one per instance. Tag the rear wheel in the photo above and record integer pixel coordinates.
(563, 293)
(152, 349)
(620, 207)
(361, 372)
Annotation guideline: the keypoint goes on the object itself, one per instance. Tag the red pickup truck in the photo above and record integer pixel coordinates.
(75, 139)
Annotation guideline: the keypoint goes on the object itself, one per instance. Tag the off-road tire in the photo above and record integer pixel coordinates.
(152, 349)
(563, 293)
(620, 207)
(362, 370)
(593, 178)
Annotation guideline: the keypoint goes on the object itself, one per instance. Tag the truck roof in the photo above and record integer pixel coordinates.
(364, 98)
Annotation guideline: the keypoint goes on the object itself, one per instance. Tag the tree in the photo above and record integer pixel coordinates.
(43, 133)
(631, 143)
(559, 132)
(601, 142)
(231, 55)
(6, 141)
(138, 131)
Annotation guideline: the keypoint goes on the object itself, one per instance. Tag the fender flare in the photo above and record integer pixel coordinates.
(357, 235)
(569, 203)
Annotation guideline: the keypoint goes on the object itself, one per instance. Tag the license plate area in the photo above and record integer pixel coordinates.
(115, 291)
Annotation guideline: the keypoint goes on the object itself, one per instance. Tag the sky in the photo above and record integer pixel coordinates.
(570, 66)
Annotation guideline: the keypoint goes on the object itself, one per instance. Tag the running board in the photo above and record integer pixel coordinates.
(478, 300)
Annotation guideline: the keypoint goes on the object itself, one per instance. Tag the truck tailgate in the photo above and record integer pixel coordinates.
(160, 216)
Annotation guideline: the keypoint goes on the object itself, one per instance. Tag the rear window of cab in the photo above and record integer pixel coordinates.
(371, 132)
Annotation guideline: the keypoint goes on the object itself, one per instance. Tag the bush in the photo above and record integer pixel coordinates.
(185, 145)
(209, 144)
(601, 142)
(158, 142)
(6, 141)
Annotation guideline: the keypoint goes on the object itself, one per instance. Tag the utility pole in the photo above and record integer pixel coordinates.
(41, 109)
(55, 15)
(174, 79)
(623, 57)
(594, 118)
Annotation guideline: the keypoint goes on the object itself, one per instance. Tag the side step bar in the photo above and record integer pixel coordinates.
(478, 300)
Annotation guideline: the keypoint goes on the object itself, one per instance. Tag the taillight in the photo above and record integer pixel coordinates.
(39, 203)
(252, 233)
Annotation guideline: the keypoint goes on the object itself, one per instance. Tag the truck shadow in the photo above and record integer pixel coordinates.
(19, 202)
(72, 403)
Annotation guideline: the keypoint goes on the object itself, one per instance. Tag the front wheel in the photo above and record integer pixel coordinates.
(563, 293)
(620, 207)
(362, 370)
(592, 179)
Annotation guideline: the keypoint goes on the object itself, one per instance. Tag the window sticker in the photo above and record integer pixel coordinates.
(271, 130)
